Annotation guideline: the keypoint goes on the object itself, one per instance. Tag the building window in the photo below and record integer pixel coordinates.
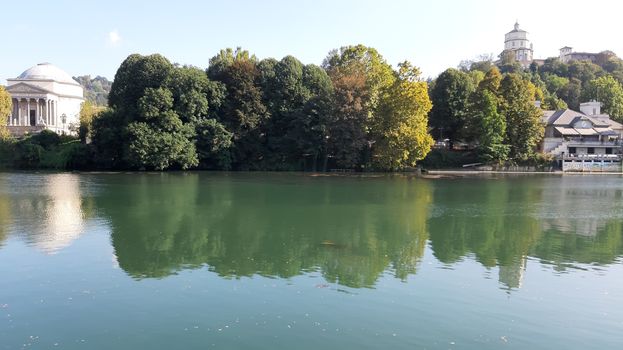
(572, 150)
(590, 150)
(608, 150)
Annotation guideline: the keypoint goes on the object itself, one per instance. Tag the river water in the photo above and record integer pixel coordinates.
(296, 261)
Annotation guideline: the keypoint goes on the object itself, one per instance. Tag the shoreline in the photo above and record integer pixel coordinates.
(485, 172)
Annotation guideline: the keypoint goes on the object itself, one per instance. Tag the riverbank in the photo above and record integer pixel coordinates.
(484, 172)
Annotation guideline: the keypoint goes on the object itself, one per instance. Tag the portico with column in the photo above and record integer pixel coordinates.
(44, 97)
(33, 111)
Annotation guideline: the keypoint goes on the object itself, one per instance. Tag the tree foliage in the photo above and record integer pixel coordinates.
(450, 98)
(609, 92)
(524, 129)
(400, 130)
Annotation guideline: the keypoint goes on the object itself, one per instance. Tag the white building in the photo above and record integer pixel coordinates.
(583, 141)
(44, 97)
(516, 42)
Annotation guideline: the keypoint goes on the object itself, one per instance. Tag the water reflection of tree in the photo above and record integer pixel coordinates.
(350, 230)
(503, 221)
(5, 211)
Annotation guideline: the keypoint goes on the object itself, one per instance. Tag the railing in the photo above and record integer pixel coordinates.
(578, 143)
(589, 157)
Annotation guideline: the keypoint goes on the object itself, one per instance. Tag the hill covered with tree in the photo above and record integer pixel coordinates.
(96, 89)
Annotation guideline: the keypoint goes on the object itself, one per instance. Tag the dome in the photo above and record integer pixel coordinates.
(47, 71)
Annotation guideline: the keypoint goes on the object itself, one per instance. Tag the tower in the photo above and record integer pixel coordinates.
(516, 41)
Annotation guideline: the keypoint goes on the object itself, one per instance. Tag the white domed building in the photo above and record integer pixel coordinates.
(516, 41)
(44, 97)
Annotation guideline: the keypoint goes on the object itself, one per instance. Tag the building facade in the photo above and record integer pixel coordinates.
(583, 141)
(44, 97)
(567, 55)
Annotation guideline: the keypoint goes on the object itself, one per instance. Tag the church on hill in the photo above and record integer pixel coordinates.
(518, 45)
(44, 98)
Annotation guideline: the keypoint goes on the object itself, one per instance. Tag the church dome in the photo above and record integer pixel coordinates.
(47, 71)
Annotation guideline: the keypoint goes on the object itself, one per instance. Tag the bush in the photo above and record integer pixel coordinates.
(27, 155)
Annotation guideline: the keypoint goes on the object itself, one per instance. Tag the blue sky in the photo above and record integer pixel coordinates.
(94, 37)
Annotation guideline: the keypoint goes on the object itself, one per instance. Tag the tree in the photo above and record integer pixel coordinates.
(509, 64)
(491, 81)
(242, 112)
(88, 111)
(450, 98)
(136, 74)
(488, 126)
(213, 142)
(571, 93)
(158, 139)
(347, 128)
(609, 92)
(143, 128)
(343, 65)
(400, 130)
(6, 105)
(359, 58)
(524, 129)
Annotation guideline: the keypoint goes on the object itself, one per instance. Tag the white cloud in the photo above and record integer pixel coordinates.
(114, 38)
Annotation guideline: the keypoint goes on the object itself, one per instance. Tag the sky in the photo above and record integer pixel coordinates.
(93, 37)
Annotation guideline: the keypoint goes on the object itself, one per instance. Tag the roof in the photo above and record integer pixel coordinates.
(567, 117)
(46, 71)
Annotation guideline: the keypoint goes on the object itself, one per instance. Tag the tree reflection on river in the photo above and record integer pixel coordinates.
(350, 229)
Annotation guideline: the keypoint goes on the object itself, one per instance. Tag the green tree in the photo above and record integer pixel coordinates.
(400, 130)
(571, 93)
(524, 129)
(158, 139)
(136, 74)
(243, 111)
(450, 98)
(488, 126)
(213, 141)
(609, 92)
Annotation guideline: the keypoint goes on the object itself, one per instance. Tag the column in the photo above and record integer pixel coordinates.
(38, 111)
(19, 112)
(13, 111)
(27, 111)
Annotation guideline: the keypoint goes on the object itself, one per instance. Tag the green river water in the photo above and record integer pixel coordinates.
(296, 261)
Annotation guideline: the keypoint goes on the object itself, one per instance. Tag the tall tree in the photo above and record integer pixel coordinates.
(400, 130)
(347, 128)
(450, 98)
(242, 112)
(488, 125)
(524, 129)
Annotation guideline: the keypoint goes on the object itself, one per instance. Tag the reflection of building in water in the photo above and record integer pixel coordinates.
(577, 208)
(51, 218)
(512, 275)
